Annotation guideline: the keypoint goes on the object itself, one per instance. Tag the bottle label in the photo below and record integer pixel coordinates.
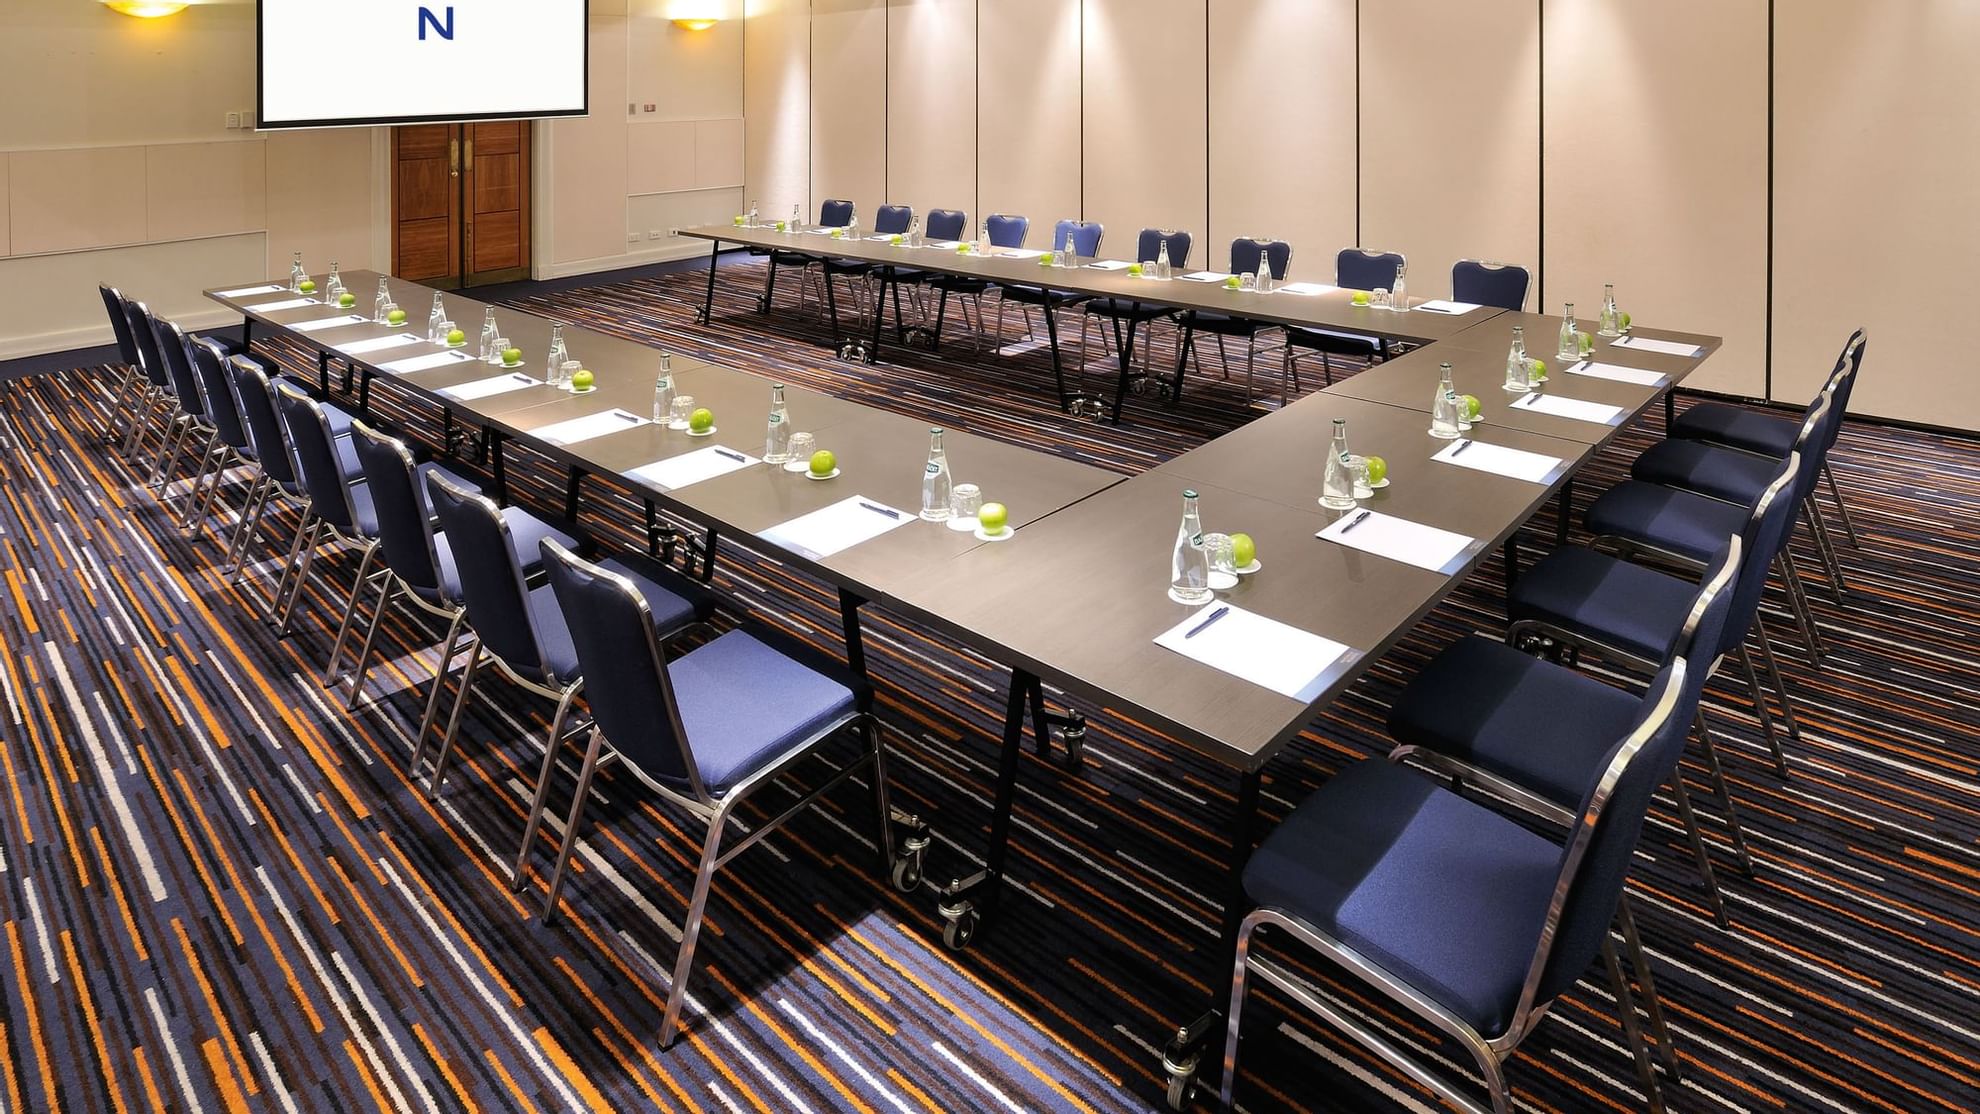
(1196, 540)
(934, 468)
(775, 417)
(665, 384)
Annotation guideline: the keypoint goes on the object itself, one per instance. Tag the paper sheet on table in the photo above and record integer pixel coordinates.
(1661, 347)
(493, 385)
(1266, 652)
(1017, 253)
(247, 290)
(286, 303)
(1618, 373)
(336, 322)
(1108, 265)
(1307, 288)
(590, 426)
(945, 245)
(426, 362)
(1399, 539)
(677, 472)
(1500, 461)
(882, 237)
(379, 344)
(1203, 276)
(838, 527)
(1573, 409)
(1446, 307)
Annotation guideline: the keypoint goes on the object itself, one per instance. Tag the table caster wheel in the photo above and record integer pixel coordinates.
(959, 926)
(1182, 1087)
(1075, 740)
(907, 872)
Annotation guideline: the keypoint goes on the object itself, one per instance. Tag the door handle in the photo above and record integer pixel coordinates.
(453, 158)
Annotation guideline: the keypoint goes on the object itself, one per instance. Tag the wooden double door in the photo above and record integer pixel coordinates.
(460, 203)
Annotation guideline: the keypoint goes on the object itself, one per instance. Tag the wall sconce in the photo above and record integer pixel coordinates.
(146, 9)
(694, 23)
(695, 15)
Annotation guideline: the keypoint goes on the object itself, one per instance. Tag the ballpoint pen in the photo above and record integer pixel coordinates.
(879, 510)
(1462, 445)
(735, 456)
(1214, 616)
(1356, 521)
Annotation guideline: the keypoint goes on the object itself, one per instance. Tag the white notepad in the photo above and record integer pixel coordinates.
(286, 303)
(1661, 347)
(1500, 460)
(590, 426)
(1266, 652)
(677, 472)
(336, 322)
(1308, 288)
(836, 528)
(379, 344)
(1017, 253)
(1446, 307)
(1108, 265)
(944, 245)
(427, 362)
(1204, 276)
(247, 290)
(493, 385)
(1617, 373)
(1573, 409)
(1399, 539)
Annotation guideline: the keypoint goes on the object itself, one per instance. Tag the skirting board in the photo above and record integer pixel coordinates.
(682, 248)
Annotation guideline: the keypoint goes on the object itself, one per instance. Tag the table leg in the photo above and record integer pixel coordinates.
(247, 336)
(1124, 341)
(832, 310)
(707, 313)
(497, 465)
(323, 373)
(1183, 1057)
(965, 901)
(879, 312)
(1566, 504)
(1670, 409)
(573, 493)
(364, 393)
(1512, 563)
(652, 528)
(849, 605)
(1052, 337)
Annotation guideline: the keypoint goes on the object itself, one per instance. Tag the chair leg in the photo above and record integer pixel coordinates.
(1842, 510)
(541, 796)
(569, 843)
(448, 647)
(169, 459)
(1653, 1005)
(1798, 603)
(1761, 710)
(388, 592)
(300, 577)
(1734, 830)
(454, 721)
(204, 511)
(1250, 365)
(1825, 549)
(1632, 1035)
(350, 612)
(704, 877)
(252, 508)
(206, 462)
(1773, 667)
(1235, 1013)
(1698, 849)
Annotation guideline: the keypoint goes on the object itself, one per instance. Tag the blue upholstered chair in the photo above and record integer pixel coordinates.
(156, 407)
(705, 731)
(517, 628)
(1632, 615)
(1354, 269)
(891, 220)
(187, 422)
(1116, 312)
(1001, 230)
(1248, 255)
(1086, 237)
(831, 214)
(947, 224)
(229, 444)
(273, 458)
(1463, 918)
(1485, 283)
(944, 225)
(131, 381)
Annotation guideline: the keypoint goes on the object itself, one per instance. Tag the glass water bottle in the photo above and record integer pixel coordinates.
(1162, 263)
(914, 232)
(663, 389)
(296, 273)
(1399, 293)
(554, 370)
(490, 354)
(777, 441)
(380, 305)
(1189, 569)
(1337, 488)
(333, 287)
(435, 319)
(935, 480)
(797, 219)
(1069, 257)
(1444, 421)
(1517, 370)
(1265, 281)
(1610, 323)
(1570, 346)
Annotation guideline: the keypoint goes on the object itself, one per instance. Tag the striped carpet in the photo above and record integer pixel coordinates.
(222, 892)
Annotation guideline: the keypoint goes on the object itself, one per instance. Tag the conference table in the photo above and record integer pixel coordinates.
(1308, 305)
(1077, 596)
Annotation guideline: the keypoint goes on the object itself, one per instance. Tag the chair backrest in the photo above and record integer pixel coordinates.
(1764, 535)
(1246, 251)
(1006, 231)
(317, 467)
(492, 586)
(1703, 634)
(149, 357)
(1086, 236)
(1148, 246)
(625, 676)
(1595, 862)
(264, 426)
(222, 408)
(835, 214)
(1486, 283)
(405, 537)
(178, 364)
(893, 219)
(947, 224)
(120, 324)
(1847, 365)
(1362, 269)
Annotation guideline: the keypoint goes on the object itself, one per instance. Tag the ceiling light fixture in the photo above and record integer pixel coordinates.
(146, 9)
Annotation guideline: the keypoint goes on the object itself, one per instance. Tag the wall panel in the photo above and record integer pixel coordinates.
(86, 197)
(777, 103)
(1282, 121)
(319, 197)
(1145, 129)
(660, 157)
(1450, 133)
(588, 172)
(931, 104)
(6, 238)
(205, 189)
(1875, 134)
(1028, 160)
(1653, 169)
(718, 153)
(684, 75)
(849, 112)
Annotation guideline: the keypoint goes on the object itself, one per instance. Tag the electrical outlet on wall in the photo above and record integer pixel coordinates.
(653, 234)
(632, 237)
(233, 120)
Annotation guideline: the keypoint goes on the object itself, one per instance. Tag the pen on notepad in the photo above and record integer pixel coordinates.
(879, 510)
(624, 416)
(1199, 628)
(1356, 521)
(1462, 445)
(737, 457)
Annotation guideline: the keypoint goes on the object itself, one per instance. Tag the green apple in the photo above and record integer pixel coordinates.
(396, 317)
(512, 356)
(838, 233)
(822, 462)
(1233, 282)
(897, 239)
(1045, 260)
(1471, 406)
(1536, 370)
(1378, 469)
(1587, 343)
(1624, 321)
(1134, 269)
(581, 379)
(1360, 297)
(1243, 550)
(307, 286)
(993, 517)
(701, 421)
(455, 336)
(347, 299)
(739, 222)
(962, 248)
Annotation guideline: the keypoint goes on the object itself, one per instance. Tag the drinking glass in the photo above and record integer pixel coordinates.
(677, 417)
(965, 500)
(501, 346)
(566, 371)
(1248, 281)
(385, 313)
(1223, 561)
(802, 446)
(1380, 299)
(1358, 466)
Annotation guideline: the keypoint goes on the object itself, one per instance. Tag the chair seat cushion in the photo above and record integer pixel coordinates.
(745, 706)
(1223, 324)
(1126, 308)
(1725, 424)
(526, 532)
(958, 284)
(1714, 470)
(1446, 895)
(1680, 522)
(784, 258)
(671, 613)
(1327, 340)
(1038, 295)
(1605, 599)
(1541, 726)
(848, 266)
(229, 345)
